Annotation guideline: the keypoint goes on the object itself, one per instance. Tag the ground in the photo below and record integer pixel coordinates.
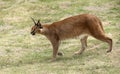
(22, 53)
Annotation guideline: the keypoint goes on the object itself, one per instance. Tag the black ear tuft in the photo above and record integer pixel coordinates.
(39, 24)
(38, 21)
(33, 20)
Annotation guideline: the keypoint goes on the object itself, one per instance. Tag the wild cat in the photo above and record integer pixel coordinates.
(82, 25)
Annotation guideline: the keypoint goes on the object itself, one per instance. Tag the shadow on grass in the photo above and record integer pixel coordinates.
(45, 57)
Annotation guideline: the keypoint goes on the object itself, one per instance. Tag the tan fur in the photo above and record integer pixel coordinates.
(80, 25)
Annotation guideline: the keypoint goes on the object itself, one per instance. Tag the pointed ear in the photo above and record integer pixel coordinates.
(33, 20)
(39, 24)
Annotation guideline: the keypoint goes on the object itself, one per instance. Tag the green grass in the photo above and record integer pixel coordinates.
(21, 53)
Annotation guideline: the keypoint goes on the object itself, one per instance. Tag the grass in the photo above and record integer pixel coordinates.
(21, 53)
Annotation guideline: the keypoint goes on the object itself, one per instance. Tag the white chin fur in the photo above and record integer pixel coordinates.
(41, 30)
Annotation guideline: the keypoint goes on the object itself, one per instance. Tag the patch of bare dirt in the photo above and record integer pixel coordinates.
(5, 27)
(95, 8)
(101, 8)
(65, 4)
